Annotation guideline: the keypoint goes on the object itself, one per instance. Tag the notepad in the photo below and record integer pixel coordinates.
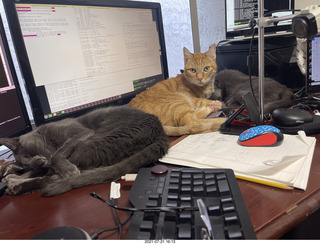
(287, 164)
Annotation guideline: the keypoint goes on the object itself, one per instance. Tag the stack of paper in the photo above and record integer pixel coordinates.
(287, 164)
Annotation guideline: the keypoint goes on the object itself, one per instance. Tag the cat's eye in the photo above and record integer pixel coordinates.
(206, 69)
(193, 70)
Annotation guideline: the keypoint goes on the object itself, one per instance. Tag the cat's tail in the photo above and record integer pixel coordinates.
(150, 154)
(203, 126)
(285, 101)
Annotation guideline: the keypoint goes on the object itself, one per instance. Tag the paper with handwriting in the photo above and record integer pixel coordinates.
(288, 163)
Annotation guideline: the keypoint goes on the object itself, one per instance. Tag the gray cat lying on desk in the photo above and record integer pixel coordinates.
(97, 147)
(230, 85)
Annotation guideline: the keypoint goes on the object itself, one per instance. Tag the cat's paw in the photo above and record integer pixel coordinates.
(215, 106)
(40, 163)
(14, 184)
(66, 170)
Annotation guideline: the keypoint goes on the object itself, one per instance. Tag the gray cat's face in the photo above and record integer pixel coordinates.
(26, 155)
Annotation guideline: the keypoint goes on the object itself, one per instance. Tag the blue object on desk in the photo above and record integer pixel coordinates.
(262, 135)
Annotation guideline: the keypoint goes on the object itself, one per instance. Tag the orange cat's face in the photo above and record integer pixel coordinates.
(200, 68)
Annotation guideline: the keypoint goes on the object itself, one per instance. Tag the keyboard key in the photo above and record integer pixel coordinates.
(152, 203)
(169, 230)
(234, 232)
(223, 187)
(212, 191)
(173, 195)
(146, 225)
(185, 197)
(185, 216)
(173, 187)
(218, 232)
(172, 203)
(198, 190)
(174, 180)
(184, 231)
(186, 176)
(186, 181)
(228, 207)
(171, 216)
(197, 176)
(221, 176)
(209, 176)
(198, 182)
(153, 196)
(226, 199)
(231, 218)
(210, 182)
(185, 204)
(144, 235)
(185, 189)
(214, 209)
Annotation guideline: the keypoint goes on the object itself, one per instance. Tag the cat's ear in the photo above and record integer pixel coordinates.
(212, 52)
(187, 55)
(11, 143)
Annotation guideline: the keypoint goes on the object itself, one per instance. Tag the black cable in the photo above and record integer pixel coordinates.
(95, 235)
(154, 209)
(117, 219)
(132, 210)
(249, 60)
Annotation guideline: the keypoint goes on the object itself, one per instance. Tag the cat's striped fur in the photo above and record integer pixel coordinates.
(181, 103)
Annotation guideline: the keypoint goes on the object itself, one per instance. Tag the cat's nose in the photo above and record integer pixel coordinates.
(200, 78)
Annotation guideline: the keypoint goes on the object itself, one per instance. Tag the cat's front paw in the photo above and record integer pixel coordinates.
(66, 170)
(14, 184)
(215, 106)
(40, 163)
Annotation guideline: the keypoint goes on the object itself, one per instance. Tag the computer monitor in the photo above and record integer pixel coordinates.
(76, 55)
(239, 12)
(14, 119)
(313, 64)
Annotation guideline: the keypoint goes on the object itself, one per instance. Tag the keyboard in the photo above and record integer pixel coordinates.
(177, 191)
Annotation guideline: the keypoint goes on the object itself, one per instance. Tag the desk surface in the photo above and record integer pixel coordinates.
(272, 211)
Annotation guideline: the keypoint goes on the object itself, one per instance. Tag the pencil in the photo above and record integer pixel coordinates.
(265, 182)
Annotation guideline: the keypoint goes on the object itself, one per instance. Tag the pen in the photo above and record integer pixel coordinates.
(265, 182)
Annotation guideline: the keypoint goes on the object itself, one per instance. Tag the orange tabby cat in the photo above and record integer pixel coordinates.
(181, 102)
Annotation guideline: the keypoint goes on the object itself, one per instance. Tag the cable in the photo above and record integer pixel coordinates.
(95, 235)
(132, 210)
(249, 58)
(155, 209)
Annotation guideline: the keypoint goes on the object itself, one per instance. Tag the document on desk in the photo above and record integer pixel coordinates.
(288, 163)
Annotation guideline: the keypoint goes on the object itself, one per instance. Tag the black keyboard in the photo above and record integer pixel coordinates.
(178, 190)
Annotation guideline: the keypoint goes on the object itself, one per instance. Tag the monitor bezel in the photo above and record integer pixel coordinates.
(7, 53)
(311, 90)
(247, 32)
(25, 66)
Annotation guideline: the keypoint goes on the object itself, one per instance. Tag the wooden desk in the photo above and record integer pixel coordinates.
(272, 211)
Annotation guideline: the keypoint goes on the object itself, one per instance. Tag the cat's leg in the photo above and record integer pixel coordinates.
(204, 107)
(21, 184)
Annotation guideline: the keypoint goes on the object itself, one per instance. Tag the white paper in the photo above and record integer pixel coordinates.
(288, 163)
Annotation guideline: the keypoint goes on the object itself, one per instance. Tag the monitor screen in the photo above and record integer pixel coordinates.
(14, 119)
(239, 12)
(313, 64)
(76, 55)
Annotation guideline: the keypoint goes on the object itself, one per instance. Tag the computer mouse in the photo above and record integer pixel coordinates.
(291, 117)
(262, 135)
